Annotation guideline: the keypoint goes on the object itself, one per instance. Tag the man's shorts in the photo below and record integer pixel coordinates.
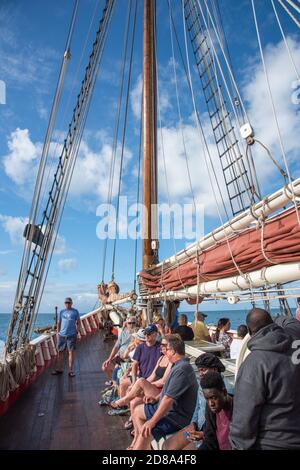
(163, 427)
(68, 342)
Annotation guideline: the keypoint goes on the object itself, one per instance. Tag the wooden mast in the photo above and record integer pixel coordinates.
(149, 137)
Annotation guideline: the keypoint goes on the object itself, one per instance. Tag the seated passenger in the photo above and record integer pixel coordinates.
(236, 343)
(121, 345)
(144, 359)
(222, 337)
(186, 333)
(218, 413)
(176, 404)
(151, 387)
(190, 437)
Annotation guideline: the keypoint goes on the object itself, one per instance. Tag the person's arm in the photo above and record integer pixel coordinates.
(151, 377)
(134, 371)
(77, 321)
(249, 398)
(164, 406)
(161, 382)
(210, 441)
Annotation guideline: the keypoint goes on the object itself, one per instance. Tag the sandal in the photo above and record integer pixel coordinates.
(132, 432)
(56, 372)
(72, 374)
(128, 425)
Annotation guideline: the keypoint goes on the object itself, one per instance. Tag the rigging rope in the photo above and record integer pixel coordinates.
(124, 136)
(274, 108)
(285, 41)
(206, 149)
(179, 110)
(116, 128)
(290, 13)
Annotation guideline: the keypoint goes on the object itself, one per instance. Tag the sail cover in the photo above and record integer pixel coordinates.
(274, 241)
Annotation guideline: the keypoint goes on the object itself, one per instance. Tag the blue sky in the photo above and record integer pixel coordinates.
(32, 38)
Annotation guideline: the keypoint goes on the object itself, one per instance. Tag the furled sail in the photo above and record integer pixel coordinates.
(276, 241)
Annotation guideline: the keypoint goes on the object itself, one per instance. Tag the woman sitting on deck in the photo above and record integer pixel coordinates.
(222, 337)
(148, 388)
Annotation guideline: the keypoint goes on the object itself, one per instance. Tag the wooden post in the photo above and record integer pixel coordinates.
(149, 138)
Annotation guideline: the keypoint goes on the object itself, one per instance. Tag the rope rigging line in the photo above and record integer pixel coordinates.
(67, 106)
(234, 146)
(179, 109)
(206, 149)
(42, 166)
(124, 135)
(197, 115)
(296, 21)
(116, 127)
(58, 190)
(137, 204)
(274, 108)
(285, 41)
(73, 155)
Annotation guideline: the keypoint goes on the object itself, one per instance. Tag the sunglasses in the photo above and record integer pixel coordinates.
(131, 323)
(163, 345)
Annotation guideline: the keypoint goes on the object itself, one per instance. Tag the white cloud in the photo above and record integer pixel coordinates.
(60, 245)
(67, 264)
(14, 227)
(5, 252)
(281, 75)
(136, 97)
(92, 169)
(21, 160)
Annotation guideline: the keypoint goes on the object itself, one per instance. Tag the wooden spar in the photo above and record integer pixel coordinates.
(149, 138)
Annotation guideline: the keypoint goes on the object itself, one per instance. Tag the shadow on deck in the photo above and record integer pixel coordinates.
(58, 412)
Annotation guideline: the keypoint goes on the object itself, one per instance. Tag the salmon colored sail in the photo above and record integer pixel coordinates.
(277, 241)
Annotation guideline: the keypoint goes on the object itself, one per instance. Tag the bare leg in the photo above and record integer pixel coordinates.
(138, 419)
(71, 360)
(124, 385)
(137, 388)
(60, 361)
(108, 370)
(178, 441)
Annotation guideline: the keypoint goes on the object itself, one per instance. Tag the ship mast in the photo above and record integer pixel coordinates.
(149, 137)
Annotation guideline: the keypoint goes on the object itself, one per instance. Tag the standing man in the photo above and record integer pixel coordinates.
(67, 326)
(200, 329)
(266, 400)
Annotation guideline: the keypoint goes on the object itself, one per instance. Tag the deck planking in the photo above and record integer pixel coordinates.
(70, 417)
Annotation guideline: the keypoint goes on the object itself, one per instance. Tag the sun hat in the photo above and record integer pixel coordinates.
(140, 334)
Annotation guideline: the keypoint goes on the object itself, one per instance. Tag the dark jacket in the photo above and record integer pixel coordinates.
(290, 325)
(185, 332)
(266, 412)
(210, 441)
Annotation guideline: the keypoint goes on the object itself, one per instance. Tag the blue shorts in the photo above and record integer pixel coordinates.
(68, 342)
(163, 427)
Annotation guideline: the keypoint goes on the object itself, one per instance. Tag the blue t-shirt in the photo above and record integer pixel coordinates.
(175, 323)
(68, 318)
(147, 357)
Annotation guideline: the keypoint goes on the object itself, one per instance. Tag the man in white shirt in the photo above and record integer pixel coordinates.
(237, 342)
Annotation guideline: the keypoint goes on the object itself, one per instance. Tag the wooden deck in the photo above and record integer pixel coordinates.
(58, 412)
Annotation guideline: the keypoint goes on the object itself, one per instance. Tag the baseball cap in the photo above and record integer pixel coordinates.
(151, 329)
(202, 313)
(68, 300)
(140, 334)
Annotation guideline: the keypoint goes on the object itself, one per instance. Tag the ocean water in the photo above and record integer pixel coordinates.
(237, 317)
